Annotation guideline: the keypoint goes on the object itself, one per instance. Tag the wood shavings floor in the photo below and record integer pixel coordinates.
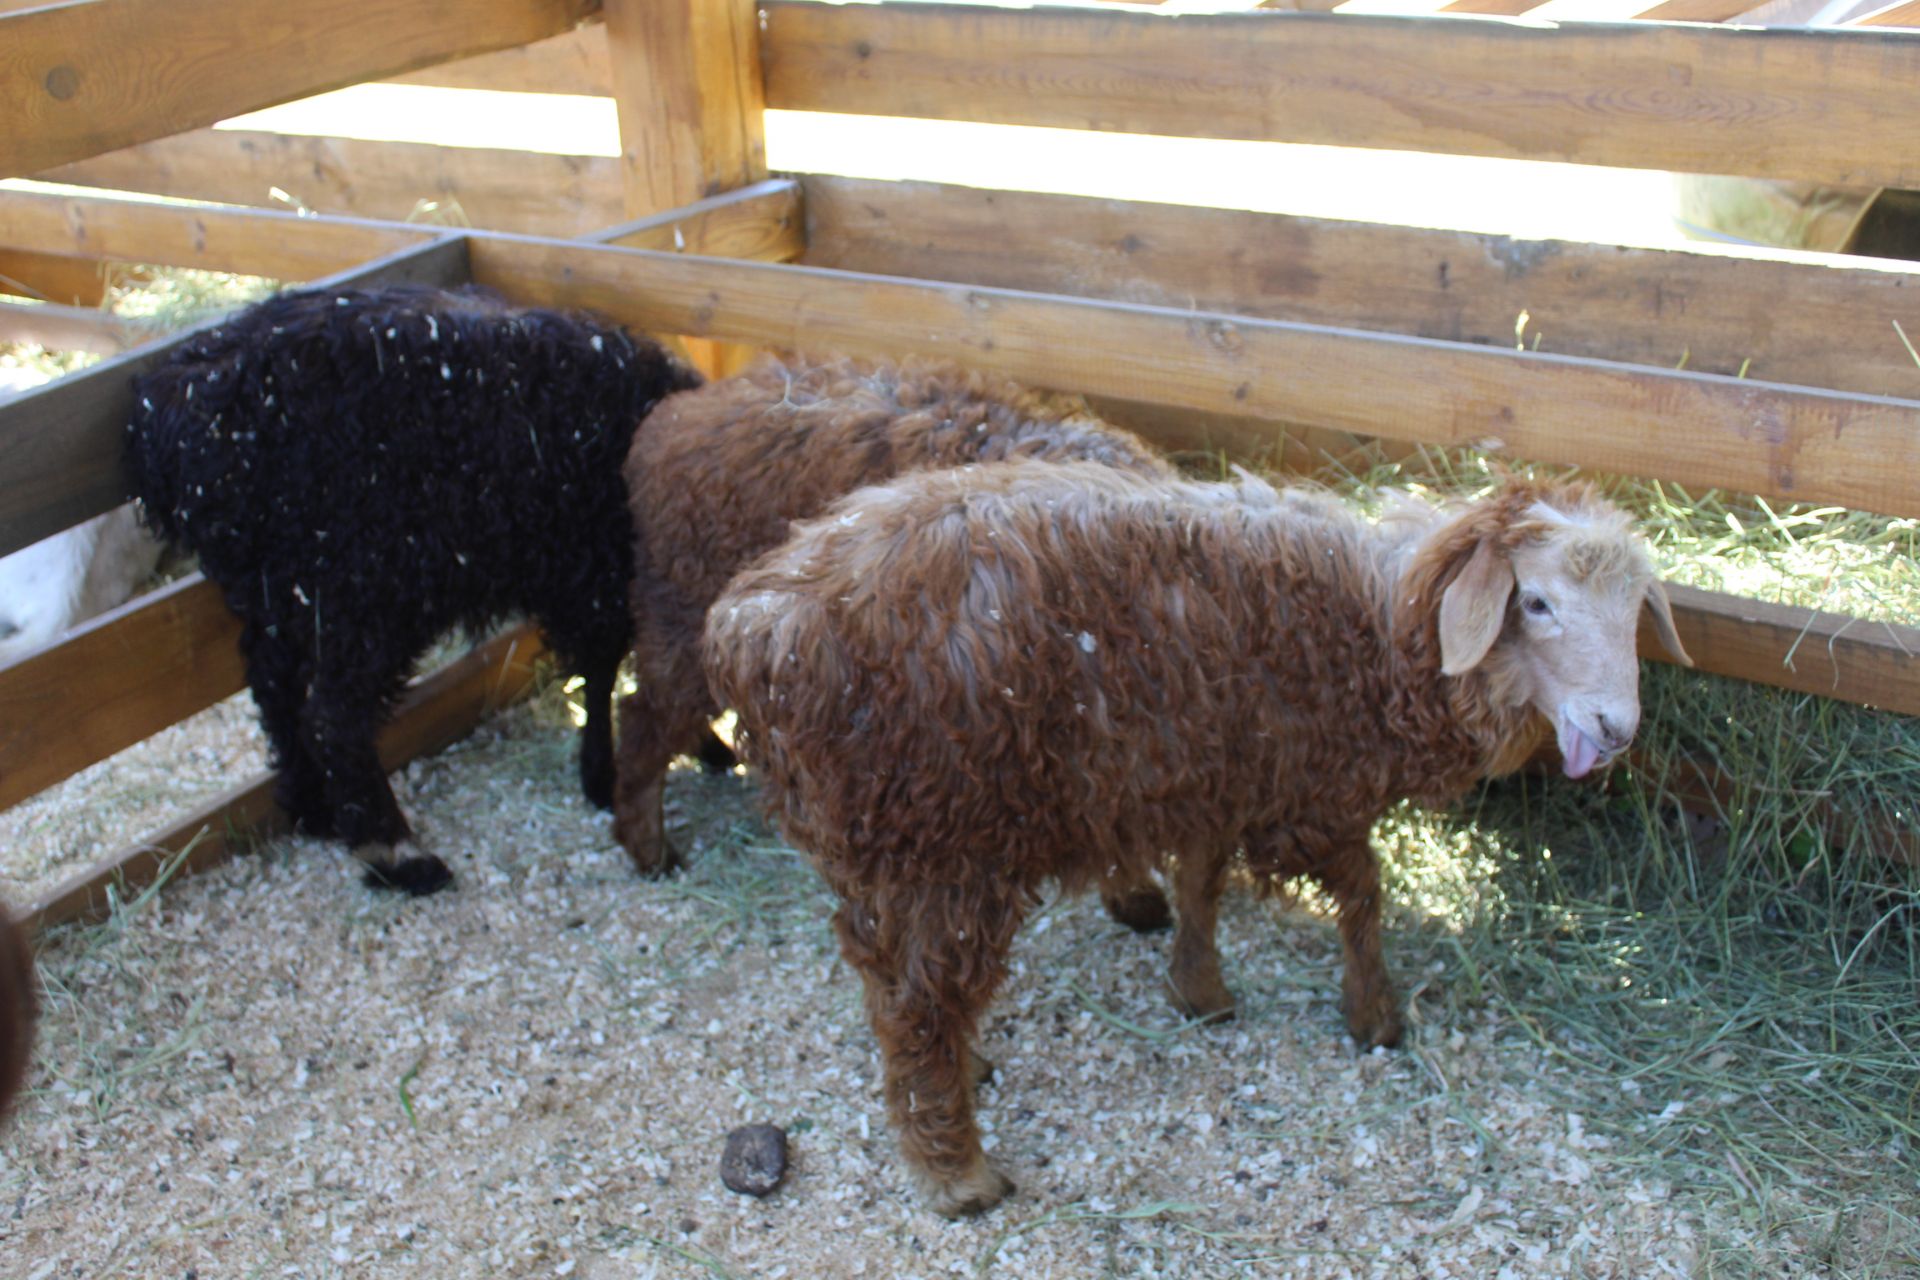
(275, 1072)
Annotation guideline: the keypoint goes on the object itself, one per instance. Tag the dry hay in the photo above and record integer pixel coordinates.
(269, 1070)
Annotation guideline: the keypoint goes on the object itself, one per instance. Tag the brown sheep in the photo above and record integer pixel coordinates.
(17, 1007)
(964, 685)
(717, 475)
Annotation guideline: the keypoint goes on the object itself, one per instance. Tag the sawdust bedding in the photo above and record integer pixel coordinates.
(269, 1070)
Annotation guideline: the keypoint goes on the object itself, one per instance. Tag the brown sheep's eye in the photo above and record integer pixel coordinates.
(1537, 606)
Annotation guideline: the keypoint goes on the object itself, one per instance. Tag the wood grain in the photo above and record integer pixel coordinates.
(1645, 306)
(436, 712)
(58, 327)
(1874, 664)
(764, 222)
(574, 63)
(280, 246)
(62, 441)
(686, 79)
(1905, 13)
(53, 277)
(530, 191)
(115, 681)
(1777, 103)
(77, 80)
(1695, 11)
(1780, 441)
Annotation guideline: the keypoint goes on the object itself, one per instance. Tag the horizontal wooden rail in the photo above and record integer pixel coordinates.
(65, 328)
(530, 191)
(573, 63)
(115, 681)
(1698, 429)
(437, 711)
(764, 222)
(1875, 664)
(80, 79)
(72, 280)
(1761, 103)
(62, 441)
(280, 246)
(1714, 312)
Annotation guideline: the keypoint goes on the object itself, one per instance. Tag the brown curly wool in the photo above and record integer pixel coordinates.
(964, 685)
(717, 475)
(17, 1007)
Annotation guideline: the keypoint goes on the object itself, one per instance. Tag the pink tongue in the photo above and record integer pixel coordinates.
(1580, 751)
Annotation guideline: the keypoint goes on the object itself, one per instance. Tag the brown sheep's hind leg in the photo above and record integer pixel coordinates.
(1198, 989)
(1368, 998)
(924, 1019)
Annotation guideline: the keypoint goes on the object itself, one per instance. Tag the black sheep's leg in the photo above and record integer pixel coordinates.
(342, 717)
(596, 736)
(278, 669)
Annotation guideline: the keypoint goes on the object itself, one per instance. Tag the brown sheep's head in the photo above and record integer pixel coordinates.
(1544, 600)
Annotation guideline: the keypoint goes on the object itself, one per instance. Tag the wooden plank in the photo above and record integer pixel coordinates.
(1695, 11)
(62, 441)
(80, 79)
(1644, 306)
(437, 711)
(1875, 664)
(530, 191)
(686, 77)
(53, 277)
(1698, 429)
(1785, 104)
(115, 681)
(58, 327)
(280, 246)
(574, 63)
(1492, 8)
(764, 222)
(1904, 13)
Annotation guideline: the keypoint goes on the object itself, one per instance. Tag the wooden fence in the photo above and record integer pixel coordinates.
(1203, 327)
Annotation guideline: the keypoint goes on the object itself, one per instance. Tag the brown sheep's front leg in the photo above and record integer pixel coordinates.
(1198, 989)
(924, 1010)
(1368, 997)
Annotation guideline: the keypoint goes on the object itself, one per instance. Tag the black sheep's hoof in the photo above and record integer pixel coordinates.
(715, 755)
(597, 786)
(415, 877)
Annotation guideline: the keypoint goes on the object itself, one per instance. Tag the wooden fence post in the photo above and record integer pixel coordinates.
(687, 84)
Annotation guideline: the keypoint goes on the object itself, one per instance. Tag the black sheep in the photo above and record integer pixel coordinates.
(361, 471)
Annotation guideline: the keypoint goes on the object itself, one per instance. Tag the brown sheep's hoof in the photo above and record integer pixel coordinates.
(1214, 1005)
(1141, 910)
(662, 861)
(976, 1192)
(416, 877)
(1381, 1029)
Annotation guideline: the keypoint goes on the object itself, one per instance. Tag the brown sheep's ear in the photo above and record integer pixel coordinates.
(1663, 623)
(1473, 608)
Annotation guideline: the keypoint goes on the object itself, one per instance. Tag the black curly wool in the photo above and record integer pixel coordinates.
(361, 471)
